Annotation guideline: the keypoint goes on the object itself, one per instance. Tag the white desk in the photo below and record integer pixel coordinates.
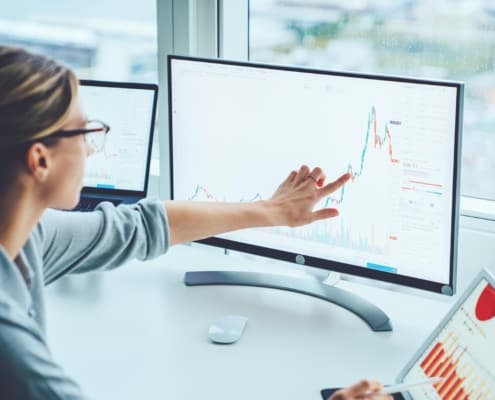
(141, 334)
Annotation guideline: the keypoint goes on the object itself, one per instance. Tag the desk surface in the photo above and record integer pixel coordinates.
(139, 332)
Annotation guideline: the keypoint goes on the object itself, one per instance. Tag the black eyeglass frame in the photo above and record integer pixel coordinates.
(61, 134)
(74, 132)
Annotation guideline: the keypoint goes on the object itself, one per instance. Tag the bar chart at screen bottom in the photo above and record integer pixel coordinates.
(464, 377)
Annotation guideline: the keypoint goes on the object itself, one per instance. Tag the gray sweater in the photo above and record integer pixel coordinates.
(63, 243)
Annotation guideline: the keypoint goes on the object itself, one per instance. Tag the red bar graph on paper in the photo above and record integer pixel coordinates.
(462, 379)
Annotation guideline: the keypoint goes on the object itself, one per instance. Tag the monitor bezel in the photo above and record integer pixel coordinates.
(329, 265)
(127, 85)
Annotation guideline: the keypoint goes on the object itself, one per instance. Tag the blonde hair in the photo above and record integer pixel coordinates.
(36, 96)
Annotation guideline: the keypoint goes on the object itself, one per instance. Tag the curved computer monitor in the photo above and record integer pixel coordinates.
(237, 129)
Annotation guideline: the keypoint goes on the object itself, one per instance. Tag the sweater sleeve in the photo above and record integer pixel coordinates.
(77, 242)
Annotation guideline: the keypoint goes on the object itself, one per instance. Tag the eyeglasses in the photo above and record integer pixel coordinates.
(95, 134)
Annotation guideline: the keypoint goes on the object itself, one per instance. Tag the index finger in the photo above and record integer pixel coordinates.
(333, 186)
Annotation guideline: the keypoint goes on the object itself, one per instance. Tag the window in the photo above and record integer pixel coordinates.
(110, 40)
(442, 39)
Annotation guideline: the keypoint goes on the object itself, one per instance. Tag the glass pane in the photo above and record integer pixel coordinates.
(446, 39)
(108, 40)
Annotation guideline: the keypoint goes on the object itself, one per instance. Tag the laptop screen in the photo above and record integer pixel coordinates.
(462, 352)
(129, 111)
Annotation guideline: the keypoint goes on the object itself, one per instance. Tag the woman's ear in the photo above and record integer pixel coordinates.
(37, 161)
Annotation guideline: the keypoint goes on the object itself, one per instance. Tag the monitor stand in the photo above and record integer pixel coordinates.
(376, 319)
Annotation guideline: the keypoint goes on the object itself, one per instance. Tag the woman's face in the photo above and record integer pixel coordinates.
(67, 161)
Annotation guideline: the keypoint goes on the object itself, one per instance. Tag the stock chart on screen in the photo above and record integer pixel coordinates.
(238, 132)
(122, 162)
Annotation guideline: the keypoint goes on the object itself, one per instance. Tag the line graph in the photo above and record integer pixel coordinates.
(378, 142)
(347, 233)
(201, 192)
(393, 138)
(121, 163)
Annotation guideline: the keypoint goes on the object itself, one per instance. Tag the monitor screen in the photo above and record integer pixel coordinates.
(463, 352)
(238, 129)
(129, 111)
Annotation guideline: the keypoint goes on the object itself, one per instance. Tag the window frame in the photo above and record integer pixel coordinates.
(184, 27)
(220, 28)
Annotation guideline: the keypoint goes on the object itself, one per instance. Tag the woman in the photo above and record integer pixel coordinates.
(44, 141)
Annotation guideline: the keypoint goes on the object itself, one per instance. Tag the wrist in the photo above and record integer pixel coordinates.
(273, 213)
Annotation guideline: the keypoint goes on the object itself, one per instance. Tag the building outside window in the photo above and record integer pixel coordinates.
(110, 40)
(444, 39)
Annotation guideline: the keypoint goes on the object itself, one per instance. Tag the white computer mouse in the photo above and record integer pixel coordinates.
(227, 329)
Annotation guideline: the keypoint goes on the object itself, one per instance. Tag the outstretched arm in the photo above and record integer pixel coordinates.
(110, 236)
(292, 205)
